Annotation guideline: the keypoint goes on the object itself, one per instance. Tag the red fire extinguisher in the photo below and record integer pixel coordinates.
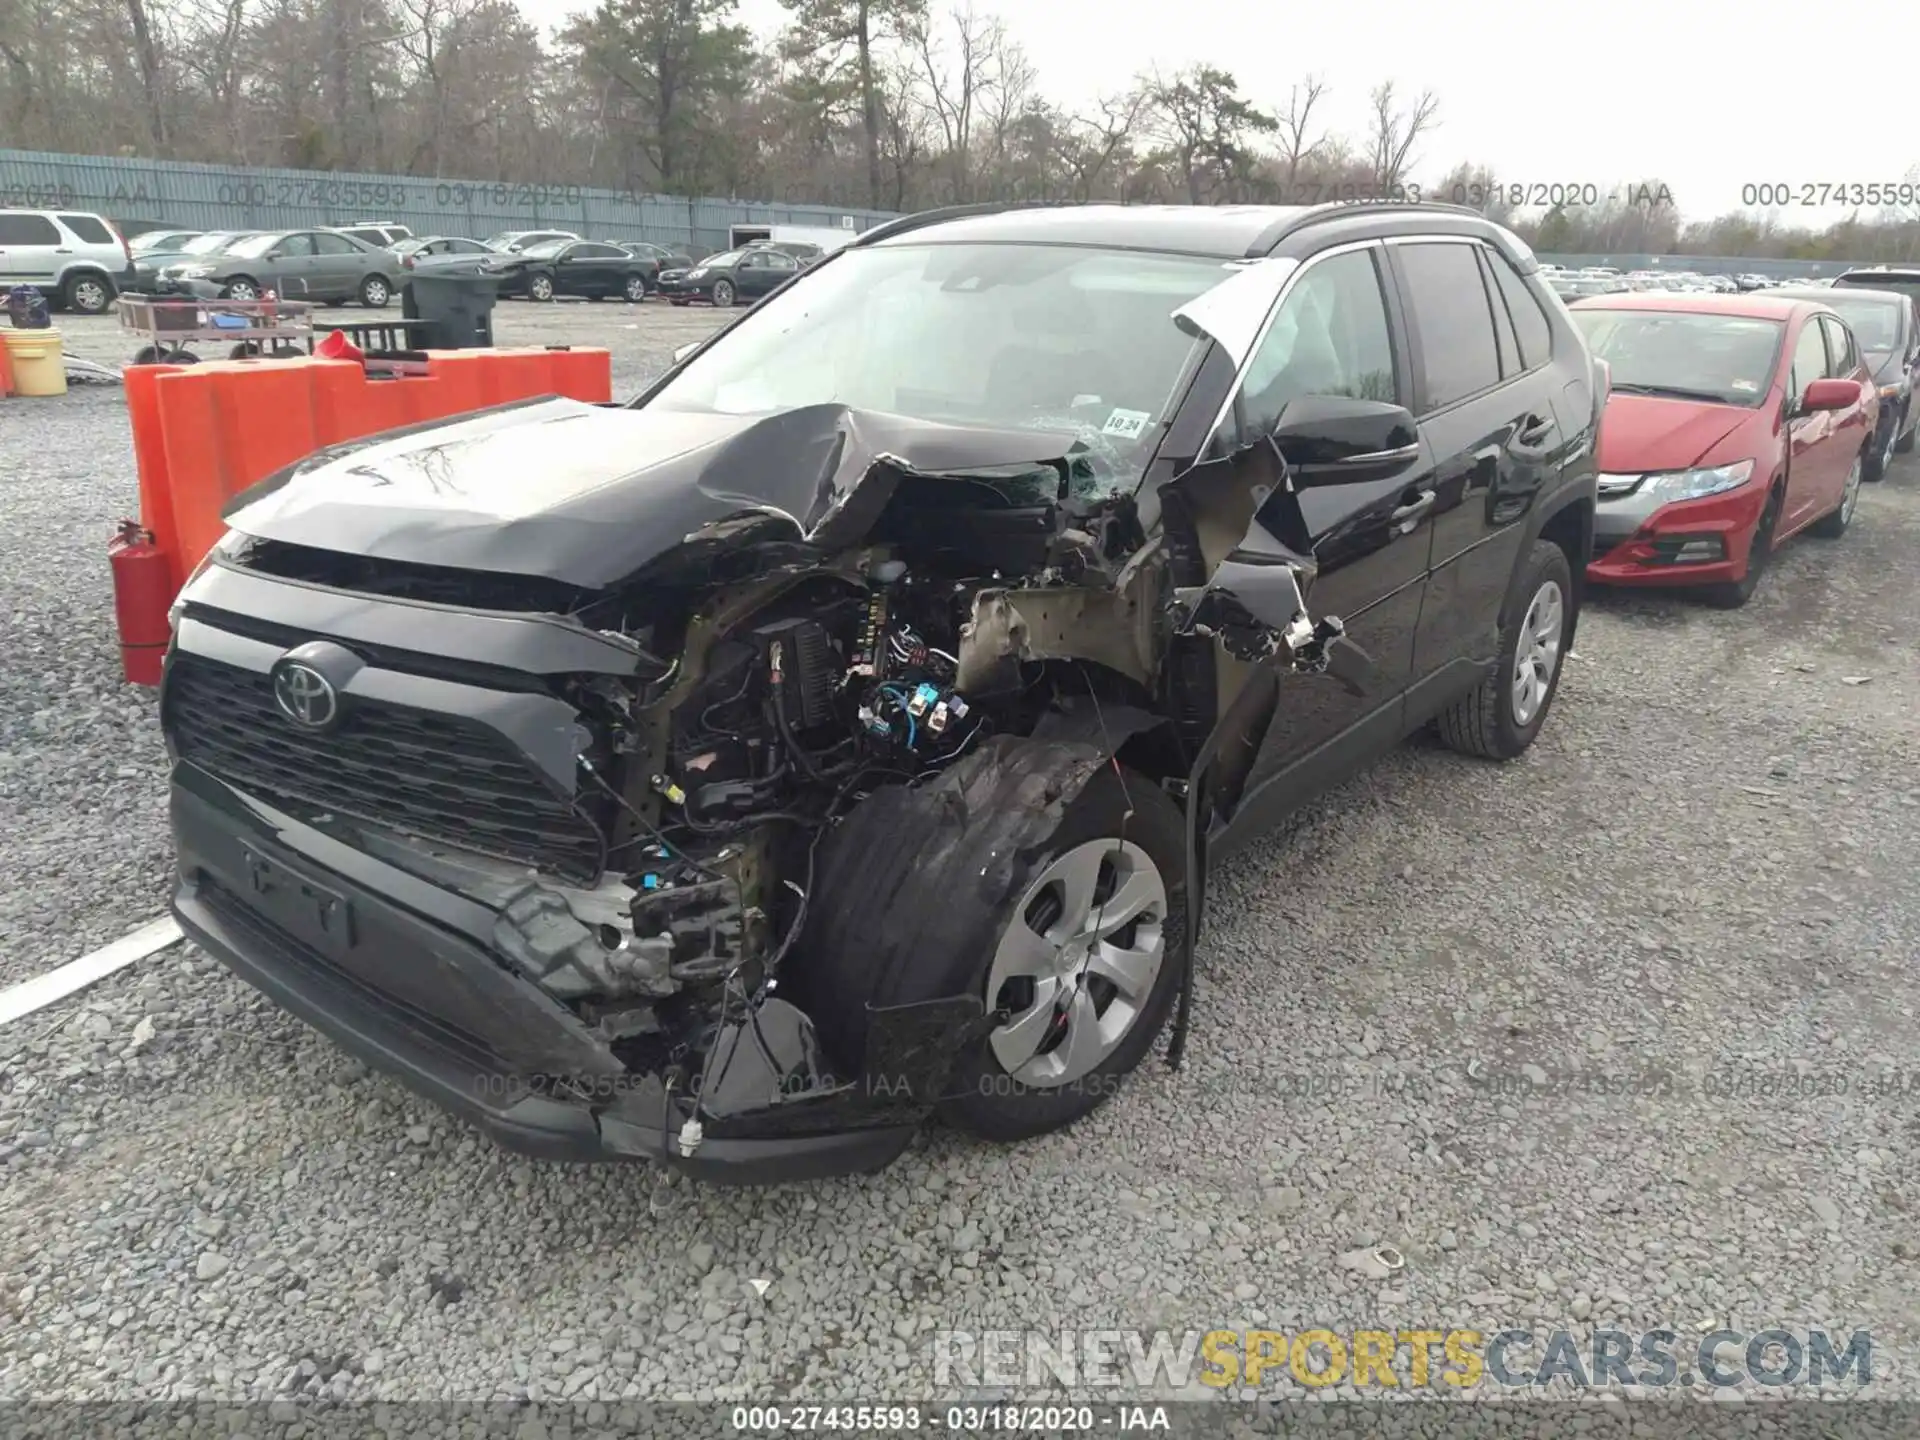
(142, 593)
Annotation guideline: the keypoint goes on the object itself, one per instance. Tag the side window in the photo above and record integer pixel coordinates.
(334, 245)
(1529, 320)
(294, 246)
(1451, 308)
(1841, 353)
(1508, 347)
(88, 228)
(28, 230)
(1329, 337)
(777, 261)
(1809, 359)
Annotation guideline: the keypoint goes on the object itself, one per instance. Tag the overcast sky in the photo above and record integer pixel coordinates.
(1570, 94)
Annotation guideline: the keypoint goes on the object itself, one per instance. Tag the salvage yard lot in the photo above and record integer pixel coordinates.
(1566, 1033)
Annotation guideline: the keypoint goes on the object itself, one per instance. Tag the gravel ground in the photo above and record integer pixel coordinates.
(1406, 1000)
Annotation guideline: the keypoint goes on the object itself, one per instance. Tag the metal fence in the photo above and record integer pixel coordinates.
(243, 197)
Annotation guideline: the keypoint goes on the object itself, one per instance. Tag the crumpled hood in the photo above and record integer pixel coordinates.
(586, 494)
(1643, 432)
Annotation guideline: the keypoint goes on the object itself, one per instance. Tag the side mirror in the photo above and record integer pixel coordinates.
(685, 350)
(1331, 439)
(1830, 394)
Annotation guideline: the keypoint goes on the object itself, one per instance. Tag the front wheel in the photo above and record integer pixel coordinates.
(375, 292)
(1834, 523)
(1734, 594)
(1066, 918)
(1500, 717)
(540, 287)
(723, 292)
(1904, 445)
(241, 288)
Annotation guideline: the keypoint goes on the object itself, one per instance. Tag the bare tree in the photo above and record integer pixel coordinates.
(1395, 132)
(1295, 125)
(962, 67)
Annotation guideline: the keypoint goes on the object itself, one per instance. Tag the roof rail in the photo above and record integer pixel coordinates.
(1263, 243)
(920, 219)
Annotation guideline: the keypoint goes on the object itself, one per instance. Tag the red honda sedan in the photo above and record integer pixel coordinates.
(1734, 422)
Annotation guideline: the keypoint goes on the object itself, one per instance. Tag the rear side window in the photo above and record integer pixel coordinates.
(28, 230)
(88, 228)
(1460, 355)
(1530, 322)
(1502, 324)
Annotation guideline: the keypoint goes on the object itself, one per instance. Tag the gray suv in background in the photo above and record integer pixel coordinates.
(78, 259)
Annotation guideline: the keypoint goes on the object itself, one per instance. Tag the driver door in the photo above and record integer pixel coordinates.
(288, 267)
(1333, 333)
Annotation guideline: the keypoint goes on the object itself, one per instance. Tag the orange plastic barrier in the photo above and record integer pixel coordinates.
(6, 372)
(203, 433)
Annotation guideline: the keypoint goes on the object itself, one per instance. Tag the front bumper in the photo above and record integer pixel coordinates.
(681, 288)
(1637, 540)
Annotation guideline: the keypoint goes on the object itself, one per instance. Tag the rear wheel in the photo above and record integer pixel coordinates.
(1500, 718)
(1834, 523)
(88, 294)
(635, 289)
(1736, 593)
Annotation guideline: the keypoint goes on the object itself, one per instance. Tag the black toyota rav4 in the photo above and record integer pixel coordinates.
(842, 731)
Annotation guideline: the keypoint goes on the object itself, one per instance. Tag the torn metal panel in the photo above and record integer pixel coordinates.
(587, 494)
(1234, 313)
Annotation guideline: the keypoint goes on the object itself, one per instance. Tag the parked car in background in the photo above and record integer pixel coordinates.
(1886, 323)
(512, 242)
(1733, 423)
(1751, 282)
(381, 234)
(156, 272)
(154, 242)
(584, 268)
(730, 277)
(664, 257)
(806, 254)
(426, 252)
(319, 265)
(77, 258)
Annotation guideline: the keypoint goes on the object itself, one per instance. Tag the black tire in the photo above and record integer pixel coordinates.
(376, 292)
(540, 288)
(1736, 593)
(87, 293)
(146, 355)
(895, 923)
(678, 300)
(241, 287)
(723, 293)
(1904, 445)
(1833, 524)
(1483, 722)
(635, 289)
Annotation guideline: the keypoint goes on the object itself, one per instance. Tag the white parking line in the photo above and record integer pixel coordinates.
(43, 990)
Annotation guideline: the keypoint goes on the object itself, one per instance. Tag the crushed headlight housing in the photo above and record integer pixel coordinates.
(225, 545)
(1697, 484)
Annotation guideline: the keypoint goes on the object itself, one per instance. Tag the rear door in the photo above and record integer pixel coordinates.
(1484, 400)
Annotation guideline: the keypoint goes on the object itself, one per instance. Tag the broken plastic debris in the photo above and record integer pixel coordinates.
(1856, 679)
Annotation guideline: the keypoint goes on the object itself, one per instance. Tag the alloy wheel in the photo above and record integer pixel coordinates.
(1078, 963)
(1851, 497)
(89, 297)
(1537, 657)
(242, 290)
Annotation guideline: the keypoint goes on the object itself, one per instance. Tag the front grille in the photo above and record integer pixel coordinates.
(438, 777)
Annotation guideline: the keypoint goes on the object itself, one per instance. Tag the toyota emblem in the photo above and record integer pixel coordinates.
(304, 695)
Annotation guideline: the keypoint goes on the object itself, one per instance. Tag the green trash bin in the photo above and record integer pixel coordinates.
(455, 301)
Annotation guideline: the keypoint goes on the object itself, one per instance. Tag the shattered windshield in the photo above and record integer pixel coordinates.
(1043, 337)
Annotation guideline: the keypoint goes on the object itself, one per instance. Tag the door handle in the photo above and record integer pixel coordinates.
(1533, 433)
(1382, 457)
(1412, 509)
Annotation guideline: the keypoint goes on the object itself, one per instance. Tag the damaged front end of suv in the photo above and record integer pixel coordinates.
(715, 786)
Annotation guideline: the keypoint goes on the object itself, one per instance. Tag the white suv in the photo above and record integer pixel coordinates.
(80, 260)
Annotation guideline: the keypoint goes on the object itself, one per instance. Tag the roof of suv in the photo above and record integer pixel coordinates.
(1232, 232)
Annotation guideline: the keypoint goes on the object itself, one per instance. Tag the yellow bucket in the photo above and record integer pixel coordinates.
(39, 368)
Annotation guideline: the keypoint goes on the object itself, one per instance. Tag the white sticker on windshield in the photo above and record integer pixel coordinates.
(1127, 424)
(1745, 385)
(1080, 400)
